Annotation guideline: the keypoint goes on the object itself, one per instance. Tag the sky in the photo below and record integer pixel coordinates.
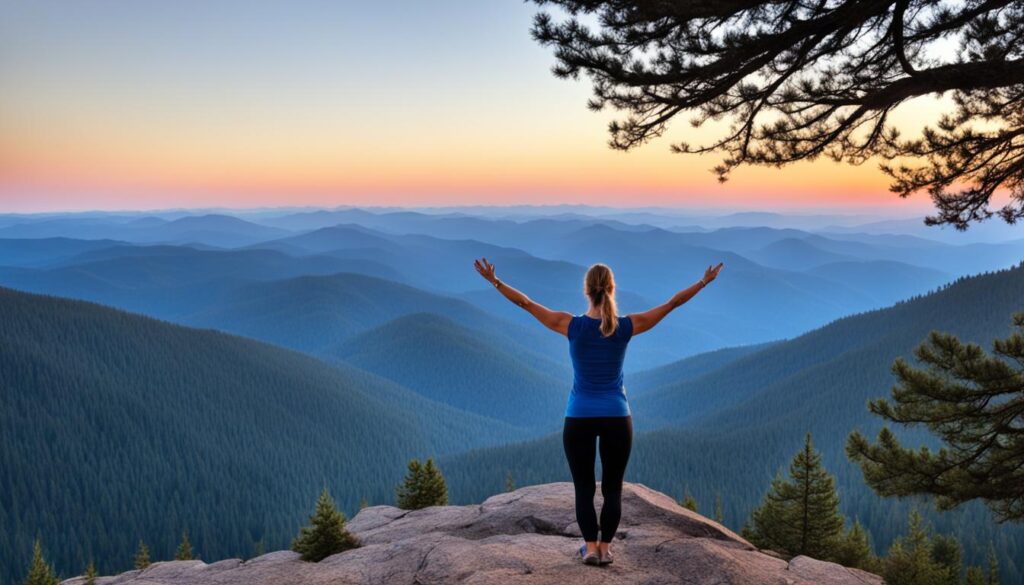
(108, 104)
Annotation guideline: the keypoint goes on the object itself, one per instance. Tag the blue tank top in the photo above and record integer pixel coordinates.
(597, 388)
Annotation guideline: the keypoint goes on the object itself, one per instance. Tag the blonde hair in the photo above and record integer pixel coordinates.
(599, 286)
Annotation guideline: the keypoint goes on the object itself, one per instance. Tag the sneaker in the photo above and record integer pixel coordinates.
(606, 558)
(589, 558)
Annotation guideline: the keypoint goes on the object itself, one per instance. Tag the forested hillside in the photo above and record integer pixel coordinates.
(467, 369)
(118, 427)
(730, 430)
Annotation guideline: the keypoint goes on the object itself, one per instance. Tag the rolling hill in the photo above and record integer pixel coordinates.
(316, 313)
(211, 229)
(170, 281)
(463, 368)
(39, 252)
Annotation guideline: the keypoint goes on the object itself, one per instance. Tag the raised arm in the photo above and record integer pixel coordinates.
(557, 321)
(648, 319)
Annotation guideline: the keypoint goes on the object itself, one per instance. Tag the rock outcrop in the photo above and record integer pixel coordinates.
(525, 536)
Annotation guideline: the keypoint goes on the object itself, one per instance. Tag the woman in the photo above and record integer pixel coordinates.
(597, 403)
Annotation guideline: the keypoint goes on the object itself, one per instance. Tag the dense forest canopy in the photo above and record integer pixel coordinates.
(799, 79)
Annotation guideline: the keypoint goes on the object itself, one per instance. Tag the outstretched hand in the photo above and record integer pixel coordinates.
(712, 273)
(485, 269)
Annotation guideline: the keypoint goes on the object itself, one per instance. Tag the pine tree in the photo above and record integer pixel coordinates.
(90, 574)
(184, 552)
(974, 576)
(781, 82)
(326, 534)
(854, 549)
(973, 401)
(800, 516)
(993, 566)
(919, 558)
(510, 482)
(688, 501)
(142, 556)
(423, 486)
(40, 572)
(718, 509)
(363, 503)
(946, 552)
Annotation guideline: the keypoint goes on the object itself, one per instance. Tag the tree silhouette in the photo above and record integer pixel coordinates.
(975, 403)
(802, 79)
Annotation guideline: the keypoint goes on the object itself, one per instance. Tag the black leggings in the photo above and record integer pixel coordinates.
(578, 437)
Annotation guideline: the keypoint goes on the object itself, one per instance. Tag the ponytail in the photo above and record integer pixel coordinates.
(609, 316)
(599, 285)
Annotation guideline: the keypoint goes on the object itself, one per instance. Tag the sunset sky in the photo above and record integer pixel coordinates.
(154, 104)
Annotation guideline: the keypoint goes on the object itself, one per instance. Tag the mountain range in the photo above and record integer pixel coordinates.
(212, 370)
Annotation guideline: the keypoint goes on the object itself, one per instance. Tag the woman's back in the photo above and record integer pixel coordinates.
(597, 368)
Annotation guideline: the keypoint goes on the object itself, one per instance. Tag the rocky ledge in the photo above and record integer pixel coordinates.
(525, 536)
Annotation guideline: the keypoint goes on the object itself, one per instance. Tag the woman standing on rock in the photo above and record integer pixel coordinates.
(597, 403)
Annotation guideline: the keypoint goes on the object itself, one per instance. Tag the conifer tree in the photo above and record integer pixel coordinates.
(993, 566)
(363, 503)
(90, 574)
(781, 82)
(184, 552)
(920, 558)
(423, 486)
(974, 576)
(800, 516)
(854, 549)
(142, 556)
(718, 508)
(326, 535)
(688, 501)
(510, 482)
(975, 403)
(40, 572)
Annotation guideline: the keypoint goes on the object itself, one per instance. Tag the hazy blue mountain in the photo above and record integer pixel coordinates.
(398, 222)
(316, 313)
(337, 237)
(989, 231)
(794, 254)
(117, 427)
(30, 253)
(86, 227)
(170, 282)
(959, 259)
(884, 281)
(215, 229)
(429, 262)
(688, 368)
(212, 229)
(464, 368)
